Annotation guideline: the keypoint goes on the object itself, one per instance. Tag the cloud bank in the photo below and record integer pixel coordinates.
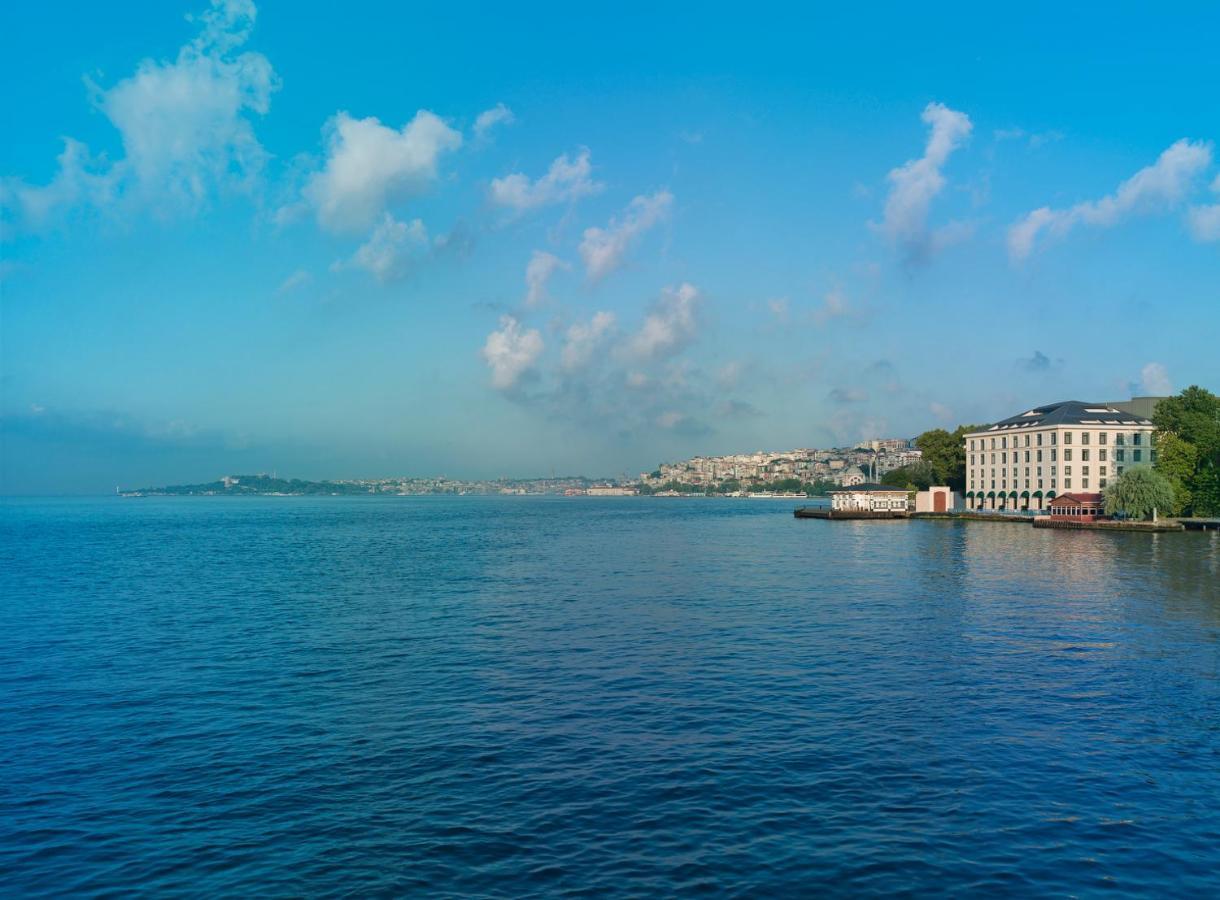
(1157, 188)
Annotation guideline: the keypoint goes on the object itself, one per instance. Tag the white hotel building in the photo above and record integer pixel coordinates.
(1027, 460)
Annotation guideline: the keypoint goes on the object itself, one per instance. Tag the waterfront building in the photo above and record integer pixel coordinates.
(938, 498)
(870, 498)
(1077, 507)
(1027, 460)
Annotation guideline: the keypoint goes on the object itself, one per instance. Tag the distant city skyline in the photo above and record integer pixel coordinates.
(510, 242)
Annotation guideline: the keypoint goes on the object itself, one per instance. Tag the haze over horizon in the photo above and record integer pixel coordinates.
(403, 242)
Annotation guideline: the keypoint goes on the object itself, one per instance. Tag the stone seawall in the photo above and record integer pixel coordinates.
(1071, 525)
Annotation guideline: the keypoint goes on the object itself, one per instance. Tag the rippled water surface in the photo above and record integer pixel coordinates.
(502, 696)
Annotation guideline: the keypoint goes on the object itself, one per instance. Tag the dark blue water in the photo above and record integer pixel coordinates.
(514, 696)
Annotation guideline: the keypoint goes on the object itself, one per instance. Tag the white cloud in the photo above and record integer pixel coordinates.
(185, 126)
(603, 249)
(566, 179)
(670, 326)
(779, 308)
(298, 279)
(728, 375)
(490, 118)
(542, 266)
(1155, 380)
(942, 412)
(916, 183)
(390, 250)
(1155, 188)
(1204, 221)
(370, 166)
(834, 306)
(511, 352)
(80, 180)
(583, 340)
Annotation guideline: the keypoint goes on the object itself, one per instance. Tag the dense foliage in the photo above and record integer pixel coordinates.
(1139, 493)
(1188, 450)
(945, 452)
(919, 476)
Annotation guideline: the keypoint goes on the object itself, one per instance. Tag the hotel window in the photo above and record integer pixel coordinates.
(1039, 456)
(1039, 471)
(1120, 439)
(1067, 454)
(1102, 483)
(993, 443)
(1084, 455)
(1101, 470)
(1027, 440)
(1067, 484)
(1119, 455)
(1067, 471)
(1054, 438)
(1004, 458)
(1067, 437)
(1054, 455)
(1027, 471)
(1039, 484)
(1004, 442)
(1101, 455)
(1039, 438)
(993, 459)
(1052, 484)
(1084, 437)
(1084, 470)
(1101, 438)
(1054, 471)
(1084, 483)
(1027, 456)
(1119, 470)
(1136, 455)
(1136, 438)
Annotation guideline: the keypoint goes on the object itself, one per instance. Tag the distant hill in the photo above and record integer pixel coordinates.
(238, 485)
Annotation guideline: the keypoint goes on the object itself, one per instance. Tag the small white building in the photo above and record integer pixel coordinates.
(870, 498)
(936, 499)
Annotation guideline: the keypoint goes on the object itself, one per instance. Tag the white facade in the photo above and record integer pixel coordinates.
(1025, 461)
(872, 499)
(937, 499)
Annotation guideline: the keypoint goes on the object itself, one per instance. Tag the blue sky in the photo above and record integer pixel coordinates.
(509, 242)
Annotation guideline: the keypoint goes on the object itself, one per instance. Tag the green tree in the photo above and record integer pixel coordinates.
(1178, 461)
(1194, 416)
(1139, 492)
(1190, 422)
(945, 452)
(920, 476)
(1205, 492)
